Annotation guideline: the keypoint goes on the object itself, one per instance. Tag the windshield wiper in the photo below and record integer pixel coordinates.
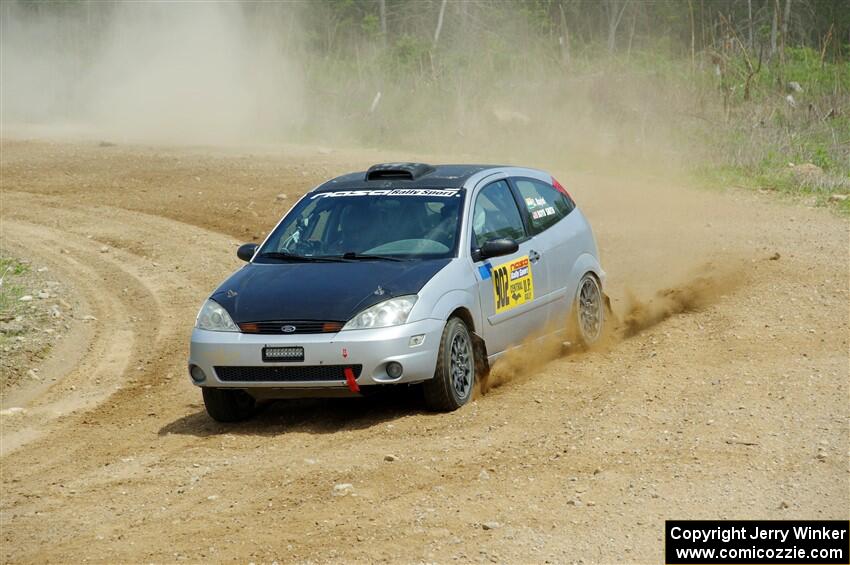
(282, 255)
(351, 255)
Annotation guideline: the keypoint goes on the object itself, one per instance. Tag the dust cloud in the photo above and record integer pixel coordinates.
(152, 72)
(694, 295)
(707, 286)
(216, 73)
(220, 73)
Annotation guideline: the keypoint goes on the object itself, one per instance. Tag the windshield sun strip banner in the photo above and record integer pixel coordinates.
(434, 192)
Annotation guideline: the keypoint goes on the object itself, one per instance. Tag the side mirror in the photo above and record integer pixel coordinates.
(498, 247)
(246, 251)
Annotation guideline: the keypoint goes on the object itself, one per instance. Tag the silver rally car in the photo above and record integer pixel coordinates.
(406, 273)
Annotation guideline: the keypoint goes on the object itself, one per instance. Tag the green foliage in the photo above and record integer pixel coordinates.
(408, 54)
(821, 156)
(10, 290)
(13, 266)
(500, 80)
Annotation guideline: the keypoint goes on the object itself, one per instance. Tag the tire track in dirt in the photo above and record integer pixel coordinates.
(87, 376)
(643, 431)
(132, 331)
(133, 365)
(109, 447)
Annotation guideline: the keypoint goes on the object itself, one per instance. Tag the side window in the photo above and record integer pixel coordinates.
(546, 205)
(496, 215)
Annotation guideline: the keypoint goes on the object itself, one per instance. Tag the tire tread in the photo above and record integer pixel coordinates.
(437, 391)
(223, 406)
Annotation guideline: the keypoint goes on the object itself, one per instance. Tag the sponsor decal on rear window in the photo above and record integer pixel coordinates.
(534, 203)
(433, 192)
(547, 211)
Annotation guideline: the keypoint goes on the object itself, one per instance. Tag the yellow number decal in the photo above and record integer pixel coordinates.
(513, 284)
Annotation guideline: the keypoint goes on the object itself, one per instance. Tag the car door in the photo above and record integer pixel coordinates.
(507, 285)
(556, 231)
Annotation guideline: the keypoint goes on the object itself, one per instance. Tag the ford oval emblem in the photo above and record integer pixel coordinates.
(288, 329)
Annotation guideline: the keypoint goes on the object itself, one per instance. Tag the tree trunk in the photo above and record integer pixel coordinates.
(750, 24)
(439, 23)
(785, 17)
(382, 10)
(615, 10)
(773, 28)
(564, 39)
(631, 35)
(693, 36)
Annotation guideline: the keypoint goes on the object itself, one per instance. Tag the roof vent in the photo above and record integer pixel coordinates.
(398, 171)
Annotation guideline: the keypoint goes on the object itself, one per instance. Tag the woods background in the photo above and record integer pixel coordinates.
(731, 92)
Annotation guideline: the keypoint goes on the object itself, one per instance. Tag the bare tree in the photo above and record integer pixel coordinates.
(774, 24)
(439, 23)
(693, 35)
(564, 38)
(614, 9)
(382, 11)
(750, 24)
(632, 34)
(785, 17)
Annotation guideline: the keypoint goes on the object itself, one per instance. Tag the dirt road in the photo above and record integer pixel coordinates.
(735, 408)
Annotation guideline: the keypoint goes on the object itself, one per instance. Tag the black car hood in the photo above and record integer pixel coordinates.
(319, 291)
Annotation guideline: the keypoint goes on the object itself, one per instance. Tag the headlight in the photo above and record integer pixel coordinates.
(215, 318)
(390, 312)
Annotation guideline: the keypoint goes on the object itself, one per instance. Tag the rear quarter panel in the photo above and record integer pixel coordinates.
(587, 259)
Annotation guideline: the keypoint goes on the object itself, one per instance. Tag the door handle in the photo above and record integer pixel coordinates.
(533, 256)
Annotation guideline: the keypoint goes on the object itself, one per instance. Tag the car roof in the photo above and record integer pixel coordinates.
(405, 175)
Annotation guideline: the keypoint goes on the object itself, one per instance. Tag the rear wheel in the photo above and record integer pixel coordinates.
(228, 405)
(454, 378)
(589, 312)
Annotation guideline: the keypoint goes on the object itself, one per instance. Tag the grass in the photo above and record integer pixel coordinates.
(649, 106)
(785, 182)
(776, 155)
(766, 141)
(10, 290)
(762, 141)
(14, 266)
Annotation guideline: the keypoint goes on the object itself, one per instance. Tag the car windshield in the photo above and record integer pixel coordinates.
(364, 224)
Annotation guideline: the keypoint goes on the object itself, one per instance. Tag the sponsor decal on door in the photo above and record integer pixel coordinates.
(513, 284)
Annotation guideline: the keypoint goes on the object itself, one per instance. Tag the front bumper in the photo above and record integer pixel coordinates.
(371, 349)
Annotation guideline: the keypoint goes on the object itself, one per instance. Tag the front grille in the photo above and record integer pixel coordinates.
(286, 374)
(300, 327)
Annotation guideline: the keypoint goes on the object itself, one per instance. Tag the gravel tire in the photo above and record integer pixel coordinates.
(454, 379)
(587, 321)
(228, 405)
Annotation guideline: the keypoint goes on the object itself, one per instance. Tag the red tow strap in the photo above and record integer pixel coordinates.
(350, 380)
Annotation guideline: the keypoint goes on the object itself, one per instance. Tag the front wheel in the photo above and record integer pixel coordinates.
(588, 318)
(228, 405)
(454, 378)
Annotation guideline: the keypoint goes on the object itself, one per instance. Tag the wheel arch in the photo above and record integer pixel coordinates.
(454, 301)
(464, 314)
(586, 263)
(479, 346)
